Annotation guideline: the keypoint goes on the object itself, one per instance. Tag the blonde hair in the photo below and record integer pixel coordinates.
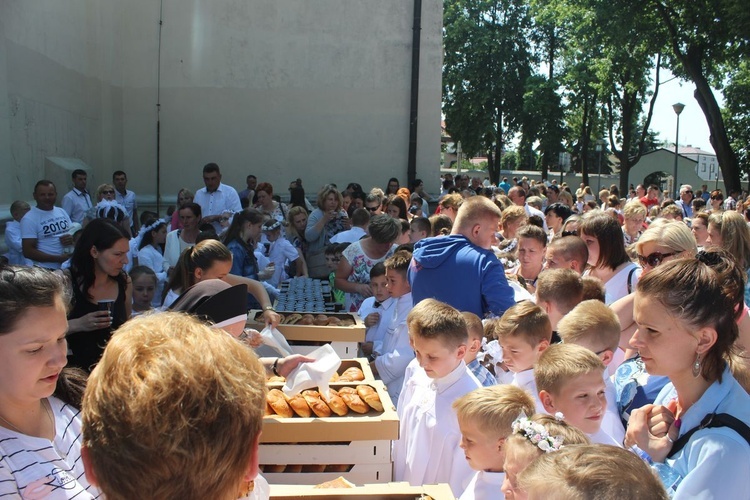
(674, 235)
(453, 201)
(512, 214)
(562, 287)
(593, 289)
(560, 363)
(634, 208)
(323, 194)
(735, 235)
(476, 210)
(565, 198)
(525, 320)
(173, 409)
(473, 325)
(493, 409)
(591, 322)
(432, 319)
(591, 471)
(671, 212)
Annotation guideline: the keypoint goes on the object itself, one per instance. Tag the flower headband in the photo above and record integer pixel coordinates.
(537, 434)
(150, 227)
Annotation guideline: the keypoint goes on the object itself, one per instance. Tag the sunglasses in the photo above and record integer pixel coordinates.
(108, 191)
(372, 209)
(569, 233)
(654, 259)
(717, 197)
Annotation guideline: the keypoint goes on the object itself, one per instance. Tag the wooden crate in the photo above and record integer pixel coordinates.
(358, 474)
(360, 363)
(389, 491)
(353, 427)
(352, 452)
(314, 333)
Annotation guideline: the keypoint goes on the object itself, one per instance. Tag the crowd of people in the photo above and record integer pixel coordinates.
(534, 339)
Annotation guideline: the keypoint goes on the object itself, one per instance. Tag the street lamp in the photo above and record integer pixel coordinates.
(599, 148)
(678, 107)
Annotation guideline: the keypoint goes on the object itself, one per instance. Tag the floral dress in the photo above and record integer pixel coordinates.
(361, 266)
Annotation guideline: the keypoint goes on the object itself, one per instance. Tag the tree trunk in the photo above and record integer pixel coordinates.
(583, 151)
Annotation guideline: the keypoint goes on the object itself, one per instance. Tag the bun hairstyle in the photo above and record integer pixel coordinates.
(707, 291)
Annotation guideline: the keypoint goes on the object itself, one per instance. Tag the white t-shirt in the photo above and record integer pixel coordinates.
(484, 486)
(46, 227)
(33, 467)
(279, 253)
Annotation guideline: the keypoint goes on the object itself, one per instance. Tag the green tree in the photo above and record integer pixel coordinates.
(487, 62)
(736, 113)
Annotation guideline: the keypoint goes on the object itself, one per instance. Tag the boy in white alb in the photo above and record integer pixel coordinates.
(44, 229)
(13, 234)
(374, 309)
(524, 332)
(485, 417)
(569, 379)
(593, 325)
(393, 353)
(282, 253)
(428, 449)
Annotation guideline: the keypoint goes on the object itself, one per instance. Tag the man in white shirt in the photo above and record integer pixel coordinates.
(77, 201)
(44, 229)
(685, 201)
(518, 196)
(126, 198)
(360, 220)
(216, 197)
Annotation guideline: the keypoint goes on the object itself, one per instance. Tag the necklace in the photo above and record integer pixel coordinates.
(47, 410)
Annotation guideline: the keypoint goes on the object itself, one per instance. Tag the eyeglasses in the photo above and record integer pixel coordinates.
(569, 233)
(717, 197)
(654, 259)
(688, 191)
(372, 209)
(109, 191)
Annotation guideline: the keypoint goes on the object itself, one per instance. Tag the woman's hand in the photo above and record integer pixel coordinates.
(271, 318)
(638, 433)
(286, 365)
(92, 321)
(662, 418)
(331, 215)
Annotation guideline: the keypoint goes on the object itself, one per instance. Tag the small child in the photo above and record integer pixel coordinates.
(13, 234)
(419, 229)
(532, 438)
(375, 308)
(393, 352)
(282, 254)
(333, 256)
(476, 334)
(590, 471)
(569, 379)
(144, 287)
(428, 451)
(593, 325)
(593, 289)
(485, 417)
(558, 291)
(524, 332)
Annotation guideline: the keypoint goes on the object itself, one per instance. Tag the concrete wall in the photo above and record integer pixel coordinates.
(278, 88)
(662, 160)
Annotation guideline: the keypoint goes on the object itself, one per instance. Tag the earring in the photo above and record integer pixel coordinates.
(697, 366)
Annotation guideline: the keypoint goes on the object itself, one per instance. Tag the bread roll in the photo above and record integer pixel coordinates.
(293, 468)
(321, 320)
(292, 319)
(316, 403)
(300, 406)
(353, 374)
(282, 319)
(347, 322)
(370, 396)
(335, 377)
(274, 379)
(352, 400)
(335, 403)
(334, 321)
(276, 400)
(307, 319)
(339, 482)
(273, 468)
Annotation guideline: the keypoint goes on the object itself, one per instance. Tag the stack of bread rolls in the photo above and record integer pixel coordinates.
(360, 399)
(313, 319)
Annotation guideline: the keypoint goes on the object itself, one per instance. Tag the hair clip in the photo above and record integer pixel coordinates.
(559, 416)
(537, 434)
(709, 258)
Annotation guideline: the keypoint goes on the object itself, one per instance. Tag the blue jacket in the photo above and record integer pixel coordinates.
(455, 271)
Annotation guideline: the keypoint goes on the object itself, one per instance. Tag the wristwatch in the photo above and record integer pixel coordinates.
(269, 308)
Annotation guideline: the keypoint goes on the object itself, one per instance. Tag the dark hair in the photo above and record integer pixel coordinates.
(560, 209)
(24, 287)
(118, 172)
(421, 224)
(139, 271)
(416, 184)
(360, 217)
(99, 233)
(608, 233)
(384, 228)
(202, 255)
(250, 215)
(148, 237)
(703, 291)
(392, 179)
(400, 203)
(44, 182)
(377, 270)
(78, 172)
(211, 167)
(194, 207)
(532, 232)
(297, 197)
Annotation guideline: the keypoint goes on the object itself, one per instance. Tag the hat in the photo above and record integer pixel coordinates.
(215, 301)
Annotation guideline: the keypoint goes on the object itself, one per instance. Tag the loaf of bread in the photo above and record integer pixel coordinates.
(352, 400)
(317, 405)
(334, 321)
(273, 468)
(370, 397)
(335, 403)
(347, 322)
(292, 319)
(293, 468)
(300, 406)
(353, 374)
(321, 320)
(277, 401)
(307, 319)
(274, 379)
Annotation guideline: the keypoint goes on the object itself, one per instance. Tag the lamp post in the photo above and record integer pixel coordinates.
(678, 107)
(599, 148)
